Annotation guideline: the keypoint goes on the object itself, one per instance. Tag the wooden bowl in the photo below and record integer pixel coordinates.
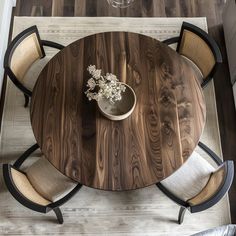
(120, 109)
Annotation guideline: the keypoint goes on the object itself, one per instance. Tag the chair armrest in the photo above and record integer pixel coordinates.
(206, 81)
(52, 44)
(214, 157)
(171, 40)
(25, 155)
(172, 196)
(66, 198)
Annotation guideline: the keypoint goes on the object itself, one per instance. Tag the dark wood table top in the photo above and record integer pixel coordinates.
(139, 151)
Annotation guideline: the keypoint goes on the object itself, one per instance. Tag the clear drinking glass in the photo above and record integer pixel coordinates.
(120, 3)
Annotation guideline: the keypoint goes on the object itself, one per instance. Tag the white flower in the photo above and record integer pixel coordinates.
(111, 77)
(91, 83)
(91, 69)
(97, 74)
(122, 87)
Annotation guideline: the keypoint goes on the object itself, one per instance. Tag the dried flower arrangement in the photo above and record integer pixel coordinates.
(103, 86)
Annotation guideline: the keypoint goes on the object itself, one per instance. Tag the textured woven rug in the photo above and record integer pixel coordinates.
(92, 212)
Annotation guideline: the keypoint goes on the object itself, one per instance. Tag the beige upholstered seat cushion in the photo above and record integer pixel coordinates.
(191, 64)
(195, 68)
(48, 181)
(33, 72)
(24, 186)
(190, 178)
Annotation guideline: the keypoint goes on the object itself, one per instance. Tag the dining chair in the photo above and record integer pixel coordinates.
(198, 185)
(224, 230)
(41, 187)
(25, 58)
(199, 48)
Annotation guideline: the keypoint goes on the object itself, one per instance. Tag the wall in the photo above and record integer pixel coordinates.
(234, 91)
(5, 19)
(229, 25)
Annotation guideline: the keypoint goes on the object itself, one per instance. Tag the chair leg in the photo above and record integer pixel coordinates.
(182, 211)
(59, 216)
(26, 100)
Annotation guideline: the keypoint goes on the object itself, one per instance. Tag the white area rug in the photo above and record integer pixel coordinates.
(92, 212)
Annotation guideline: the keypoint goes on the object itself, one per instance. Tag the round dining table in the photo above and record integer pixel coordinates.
(141, 150)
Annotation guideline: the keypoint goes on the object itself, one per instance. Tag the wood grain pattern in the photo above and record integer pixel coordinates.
(139, 151)
(57, 7)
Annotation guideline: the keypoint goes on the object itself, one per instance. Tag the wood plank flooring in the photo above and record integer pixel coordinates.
(212, 9)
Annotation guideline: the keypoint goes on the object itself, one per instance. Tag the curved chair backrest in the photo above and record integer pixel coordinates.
(195, 44)
(217, 186)
(20, 188)
(22, 52)
(224, 230)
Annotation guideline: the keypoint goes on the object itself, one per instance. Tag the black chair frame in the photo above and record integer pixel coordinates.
(25, 201)
(228, 179)
(13, 45)
(207, 38)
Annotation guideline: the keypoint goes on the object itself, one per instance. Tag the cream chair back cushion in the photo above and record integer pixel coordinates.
(197, 50)
(25, 54)
(213, 185)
